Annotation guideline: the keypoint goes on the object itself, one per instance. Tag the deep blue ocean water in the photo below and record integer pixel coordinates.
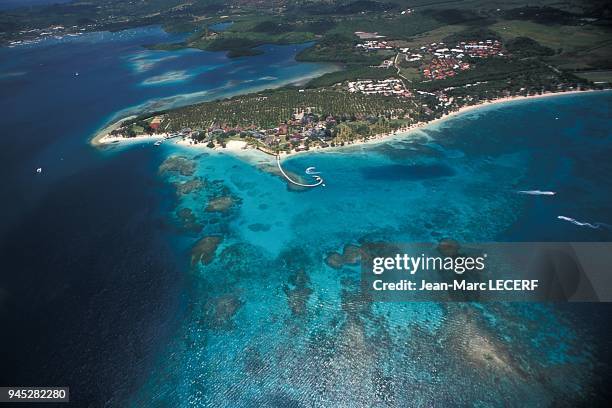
(12, 4)
(97, 290)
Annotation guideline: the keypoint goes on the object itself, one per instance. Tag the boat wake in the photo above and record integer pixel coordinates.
(595, 225)
(537, 192)
(318, 180)
(312, 170)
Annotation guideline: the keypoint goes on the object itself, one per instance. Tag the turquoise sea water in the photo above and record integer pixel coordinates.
(269, 323)
(99, 290)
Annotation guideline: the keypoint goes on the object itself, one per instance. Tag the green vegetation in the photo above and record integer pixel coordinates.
(339, 48)
(586, 46)
(542, 47)
(577, 32)
(525, 47)
(497, 74)
(338, 44)
(239, 41)
(393, 27)
(472, 34)
(268, 109)
(352, 73)
(111, 15)
(428, 37)
(410, 73)
(604, 76)
(465, 16)
(245, 34)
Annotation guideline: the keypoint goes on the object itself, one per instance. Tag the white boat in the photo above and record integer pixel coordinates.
(159, 142)
(537, 192)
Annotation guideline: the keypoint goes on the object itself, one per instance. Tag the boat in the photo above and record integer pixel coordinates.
(159, 142)
(537, 192)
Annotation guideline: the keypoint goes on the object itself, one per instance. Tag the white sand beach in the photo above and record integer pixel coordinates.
(242, 148)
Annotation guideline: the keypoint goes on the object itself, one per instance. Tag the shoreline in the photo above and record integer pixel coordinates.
(103, 138)
(404, 132)
(99, 139)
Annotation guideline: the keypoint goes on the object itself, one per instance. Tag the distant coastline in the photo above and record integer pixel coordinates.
(239, 148)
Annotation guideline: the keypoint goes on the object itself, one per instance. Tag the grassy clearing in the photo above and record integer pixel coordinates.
(585, 46)
(597, 76)
(411, 73)
(352, 74)
(569, 38)
(401, 27)
(431, 36)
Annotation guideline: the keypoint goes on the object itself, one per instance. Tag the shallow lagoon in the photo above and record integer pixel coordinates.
(269, 321)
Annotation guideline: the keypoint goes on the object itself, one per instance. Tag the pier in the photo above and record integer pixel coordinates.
(318, 179)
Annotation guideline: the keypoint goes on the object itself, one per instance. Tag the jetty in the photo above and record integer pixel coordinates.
(318, 179)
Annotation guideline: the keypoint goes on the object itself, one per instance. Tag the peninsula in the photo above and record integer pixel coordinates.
(403, 68)
(405, 65)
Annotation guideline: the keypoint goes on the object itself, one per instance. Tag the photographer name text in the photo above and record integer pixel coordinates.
(458, 285)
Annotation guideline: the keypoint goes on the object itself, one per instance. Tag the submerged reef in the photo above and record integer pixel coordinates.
(298, 292)
(220, 204)
(204, 250)
(448, 247)
(219, 311)
(220, 198)
(350, 256)
(190, 186)
(193, 189)
(188, 220)
(282, 319)
(259, 227)
(178, 164)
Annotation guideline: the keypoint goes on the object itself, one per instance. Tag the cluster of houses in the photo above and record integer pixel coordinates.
(364, 35)
(155, 123)
(410, 56)
(374, 45)
(58, 32)
(441, 68)
(302, 130)
(304, 127)
(387, 87)
(437, 60)
(474, 49)
(482, 49)
(444, 62)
